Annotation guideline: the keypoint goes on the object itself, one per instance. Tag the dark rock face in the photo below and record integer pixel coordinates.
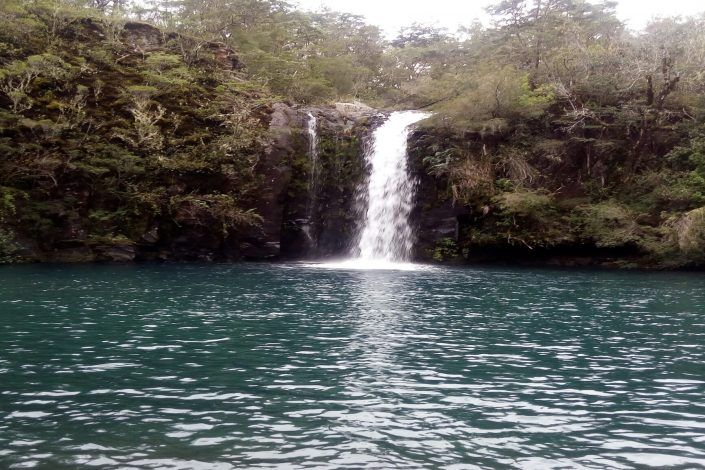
(323, 223)
(116, 253)
(435, 218)
(276, 172)
(194, 245)
(346, 136)
(455, 232)
(79, 254)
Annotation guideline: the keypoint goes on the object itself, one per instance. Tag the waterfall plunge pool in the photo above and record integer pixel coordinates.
(287, 366)
(362, 264)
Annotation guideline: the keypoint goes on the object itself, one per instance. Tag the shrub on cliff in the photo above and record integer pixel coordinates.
(688, 232)
(607, 224)
(100, 135)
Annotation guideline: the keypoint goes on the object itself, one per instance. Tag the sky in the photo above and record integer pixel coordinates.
(391, 15)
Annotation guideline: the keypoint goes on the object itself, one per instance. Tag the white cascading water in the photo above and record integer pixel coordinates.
(386, 235)
(386, 238)
(312, 127)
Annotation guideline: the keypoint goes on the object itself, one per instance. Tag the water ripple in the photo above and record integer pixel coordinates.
(292, 366)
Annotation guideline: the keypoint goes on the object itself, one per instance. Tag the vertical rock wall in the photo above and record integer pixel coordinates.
(290, 229)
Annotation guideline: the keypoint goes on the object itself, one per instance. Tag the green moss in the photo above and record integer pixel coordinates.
(9, 250)
(446, 249)
(533, 205)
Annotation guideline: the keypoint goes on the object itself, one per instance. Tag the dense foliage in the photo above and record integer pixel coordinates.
(558, 128)
(108, 131)
(554, 127)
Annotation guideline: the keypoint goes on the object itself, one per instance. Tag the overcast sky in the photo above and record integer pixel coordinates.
(391, 15)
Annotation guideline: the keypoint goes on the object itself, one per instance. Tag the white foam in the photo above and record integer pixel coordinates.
(386, 233)
(359, 264)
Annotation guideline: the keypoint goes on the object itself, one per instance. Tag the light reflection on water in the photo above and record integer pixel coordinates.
(359, 264)
(281, 366)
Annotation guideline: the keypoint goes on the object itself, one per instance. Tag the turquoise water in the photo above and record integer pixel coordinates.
(287, 366)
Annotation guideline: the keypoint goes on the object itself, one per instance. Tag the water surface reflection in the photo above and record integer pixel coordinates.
(291, 366)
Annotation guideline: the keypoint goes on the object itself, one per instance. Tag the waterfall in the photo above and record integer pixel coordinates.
(312, 127)
(386, 238)
(386, 234)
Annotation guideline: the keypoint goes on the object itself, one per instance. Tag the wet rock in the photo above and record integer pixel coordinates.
(28, 250)
(152, 236)
(80, 254)
(257, 251)
(324, 223)
(117, 253)
(296, 224)
(435, 217)
(274, 169)
(195, 244)
(355, 111)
